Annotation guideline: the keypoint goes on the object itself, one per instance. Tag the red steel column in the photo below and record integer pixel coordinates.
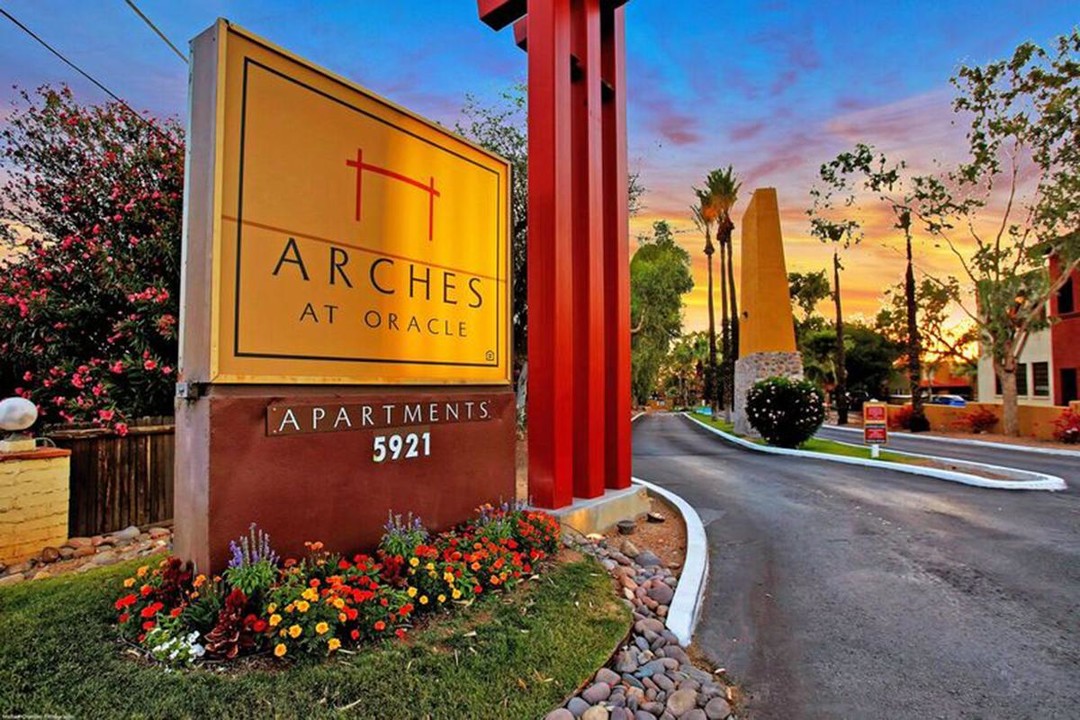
(551, 350)
(616, 252)
(588, 247)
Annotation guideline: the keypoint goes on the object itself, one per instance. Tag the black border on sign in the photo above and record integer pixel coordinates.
(240, 228)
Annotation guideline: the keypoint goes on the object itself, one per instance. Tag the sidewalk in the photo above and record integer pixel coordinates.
(855, 422)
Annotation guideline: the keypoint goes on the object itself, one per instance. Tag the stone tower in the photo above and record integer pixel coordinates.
(766, 324)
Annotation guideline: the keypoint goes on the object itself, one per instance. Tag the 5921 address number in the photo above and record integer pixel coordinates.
(401, 447)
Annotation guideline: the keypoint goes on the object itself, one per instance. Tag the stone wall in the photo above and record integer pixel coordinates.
(33, 502)
(758, 366)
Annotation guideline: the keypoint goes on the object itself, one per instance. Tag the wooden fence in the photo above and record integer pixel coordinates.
(119, 481)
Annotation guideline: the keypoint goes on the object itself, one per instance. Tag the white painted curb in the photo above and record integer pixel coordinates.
(636, 417)
(685, 607)
(977, 443)
(1039, 481)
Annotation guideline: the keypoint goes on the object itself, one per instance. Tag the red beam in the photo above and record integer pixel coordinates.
(499, 13)
(588, 248)
(551, 338)
(616, 252)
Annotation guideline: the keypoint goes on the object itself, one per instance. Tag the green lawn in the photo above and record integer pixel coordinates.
(817, 444)
(531, 648)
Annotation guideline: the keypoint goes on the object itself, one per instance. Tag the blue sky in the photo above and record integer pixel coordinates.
(774, 88)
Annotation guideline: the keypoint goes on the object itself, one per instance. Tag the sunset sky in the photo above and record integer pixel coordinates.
(773, 88)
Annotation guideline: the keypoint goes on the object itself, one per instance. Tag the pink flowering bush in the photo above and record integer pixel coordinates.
(89, 292)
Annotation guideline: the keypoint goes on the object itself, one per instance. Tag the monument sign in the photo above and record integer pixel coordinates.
(345, 331)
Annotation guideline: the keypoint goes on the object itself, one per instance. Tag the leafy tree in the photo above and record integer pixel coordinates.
(945, 341)
(659, 277)
(807, 290)
(833, 198)
(502, 128)
(684, 368)
(871, 359)
(89, 296)
(1023, 145)
(887, 181)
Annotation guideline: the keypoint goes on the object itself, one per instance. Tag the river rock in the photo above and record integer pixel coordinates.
(717, 709)
(596, 693)
(648, 559)
(681, 702)
(559, 714)
(608, 676)
(597, 712)
(577, 706)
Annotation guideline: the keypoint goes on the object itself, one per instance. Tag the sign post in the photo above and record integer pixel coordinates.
(345, 336)
(875, 426)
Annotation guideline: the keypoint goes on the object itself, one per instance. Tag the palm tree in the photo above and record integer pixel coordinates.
(723, 189)
(704, 216)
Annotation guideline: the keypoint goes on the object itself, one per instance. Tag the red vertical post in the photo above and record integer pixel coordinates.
(551, 351)
(588, 257)
(616, 251)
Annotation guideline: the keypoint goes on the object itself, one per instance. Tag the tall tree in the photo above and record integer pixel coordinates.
(723, 189)
(886, 180)
(943, 339)
(659, 277)
(704, 216)
(1015, 201)
(833, 198)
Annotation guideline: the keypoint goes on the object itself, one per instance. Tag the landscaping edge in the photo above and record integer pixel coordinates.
(1039, 481)
(685, 606)
(977, 443)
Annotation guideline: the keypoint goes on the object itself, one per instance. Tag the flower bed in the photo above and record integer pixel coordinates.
(317, 605)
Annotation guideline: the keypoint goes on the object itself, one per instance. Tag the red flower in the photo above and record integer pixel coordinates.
(148, 625)
(400, 632)
(150, 364)
(125, 601)
(124, 617)
(355, 634)
(380, 626)
(259, 626)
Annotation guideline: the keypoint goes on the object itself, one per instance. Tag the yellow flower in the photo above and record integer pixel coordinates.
(448, 577)
(430, 566)
(302, 605)
(442, 598)
(290, 607)
(322, 628)
(295, 630)
(334, 644)
(281, 632)
(414, 561)
(411, 592)
(423, 599)
(280, 649)
(342, 617)
(456, 594)
(271, 608)
(310, 594)
(339, 603)
(129, 582)
(275, 619)
(141, 572)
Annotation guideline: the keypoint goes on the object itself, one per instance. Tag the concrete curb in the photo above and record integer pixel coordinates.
(1038, 481)
(977, 443)
(636, 417)
(685, 606)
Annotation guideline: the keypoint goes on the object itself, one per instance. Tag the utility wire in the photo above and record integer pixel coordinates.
(87, 75)
(148, 21)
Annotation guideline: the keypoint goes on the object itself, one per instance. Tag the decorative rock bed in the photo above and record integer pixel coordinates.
(651, 677)
(80, 554)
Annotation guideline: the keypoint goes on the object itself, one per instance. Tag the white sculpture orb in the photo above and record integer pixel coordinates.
(17, 414)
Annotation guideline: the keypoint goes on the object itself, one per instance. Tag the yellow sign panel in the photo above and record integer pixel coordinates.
(354, 241)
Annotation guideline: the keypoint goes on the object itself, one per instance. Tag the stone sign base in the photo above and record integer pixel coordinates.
(329, 463)
(758, 366)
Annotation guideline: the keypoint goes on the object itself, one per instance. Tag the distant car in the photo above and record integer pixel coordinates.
(951, 400)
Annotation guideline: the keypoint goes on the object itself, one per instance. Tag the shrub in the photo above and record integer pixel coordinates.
(89, 299)
(1067, 428)
(980, 420)
(786, 412)
(901, 419)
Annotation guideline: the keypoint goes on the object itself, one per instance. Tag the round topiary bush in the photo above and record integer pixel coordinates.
(786, 412)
